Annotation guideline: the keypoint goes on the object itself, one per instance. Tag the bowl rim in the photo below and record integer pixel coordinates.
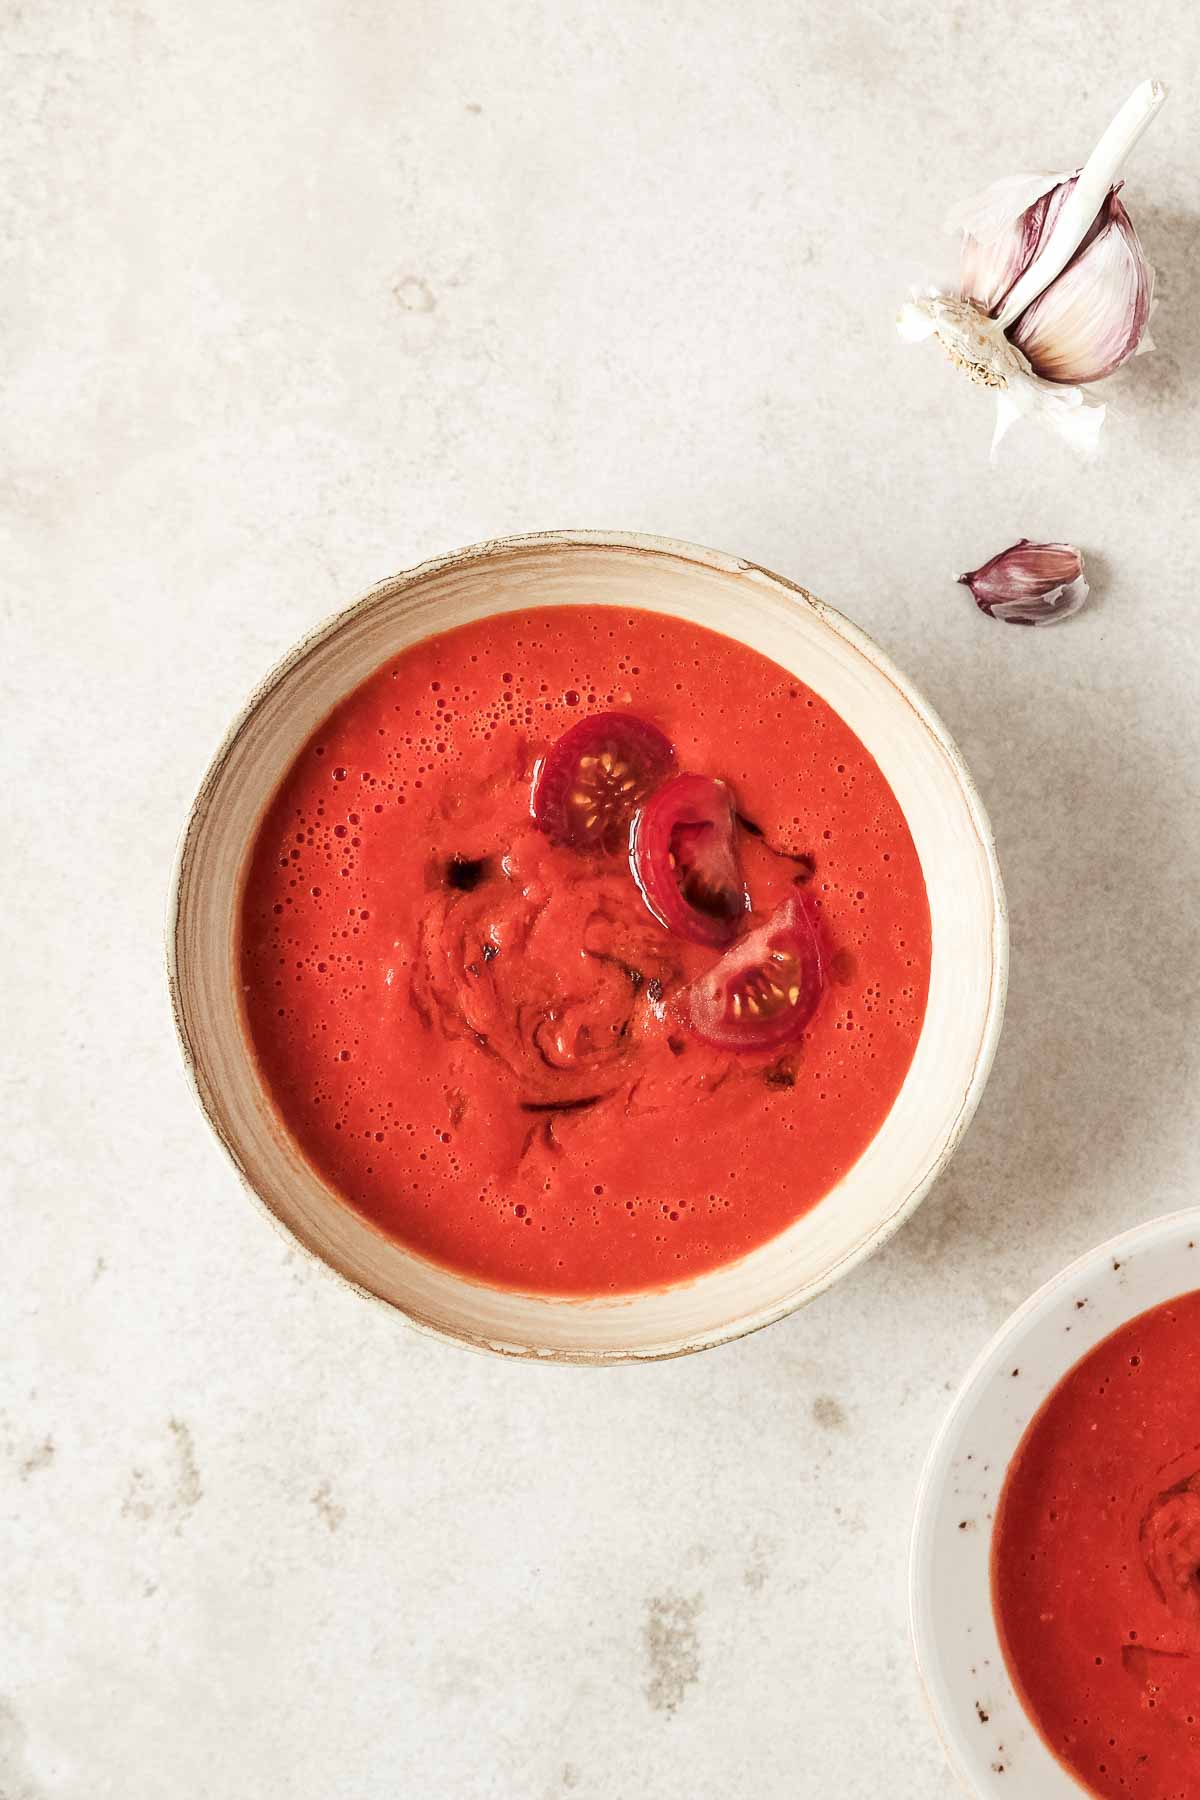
(647, 544)
(921, 1632)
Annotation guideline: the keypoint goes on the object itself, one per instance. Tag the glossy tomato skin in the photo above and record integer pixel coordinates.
(683, 853)
(587, 786)
(763, 992)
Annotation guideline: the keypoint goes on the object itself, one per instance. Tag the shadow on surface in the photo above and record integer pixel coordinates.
(1093, 1097)
(1166, 379)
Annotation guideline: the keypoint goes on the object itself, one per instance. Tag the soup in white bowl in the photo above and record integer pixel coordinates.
(1055, 1572)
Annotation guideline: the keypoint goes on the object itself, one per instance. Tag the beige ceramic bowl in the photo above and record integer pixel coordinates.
(927, 775)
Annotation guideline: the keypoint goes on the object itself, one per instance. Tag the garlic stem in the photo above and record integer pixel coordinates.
(1088, 196)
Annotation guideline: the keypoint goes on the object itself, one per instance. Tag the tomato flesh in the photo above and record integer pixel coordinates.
(683, 852)
(587, 788)
(764, 991)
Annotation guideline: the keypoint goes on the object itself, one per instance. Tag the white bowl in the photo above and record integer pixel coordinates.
(991, 1744)
(927, 775)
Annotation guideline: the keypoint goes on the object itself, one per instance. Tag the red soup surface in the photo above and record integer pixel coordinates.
(1096, 1562)
(495, 1044)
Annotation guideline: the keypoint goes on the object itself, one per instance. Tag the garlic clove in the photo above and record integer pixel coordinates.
(1030, 584)
(1092, 316)
(1002, 231)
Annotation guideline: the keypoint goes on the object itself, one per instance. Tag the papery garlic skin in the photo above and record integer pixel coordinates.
(1030, 584)
(976, 345)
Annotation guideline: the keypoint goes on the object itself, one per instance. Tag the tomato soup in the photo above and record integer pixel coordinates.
(583, 949)
(1096, 1562)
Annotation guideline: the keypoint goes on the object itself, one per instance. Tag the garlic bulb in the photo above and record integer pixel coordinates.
(1054, 288)
(1030, 584)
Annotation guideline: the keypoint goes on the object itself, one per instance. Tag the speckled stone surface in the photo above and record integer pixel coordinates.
(295, 294)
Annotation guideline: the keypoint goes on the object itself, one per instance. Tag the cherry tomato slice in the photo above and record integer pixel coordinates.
(683, 852)
(765, 990)
(586, 789)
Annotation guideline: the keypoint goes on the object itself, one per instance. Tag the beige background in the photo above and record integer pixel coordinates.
(295, 294)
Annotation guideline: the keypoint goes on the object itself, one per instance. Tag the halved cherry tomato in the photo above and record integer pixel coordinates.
(586, 789)
(683, 852)
(765, 990)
